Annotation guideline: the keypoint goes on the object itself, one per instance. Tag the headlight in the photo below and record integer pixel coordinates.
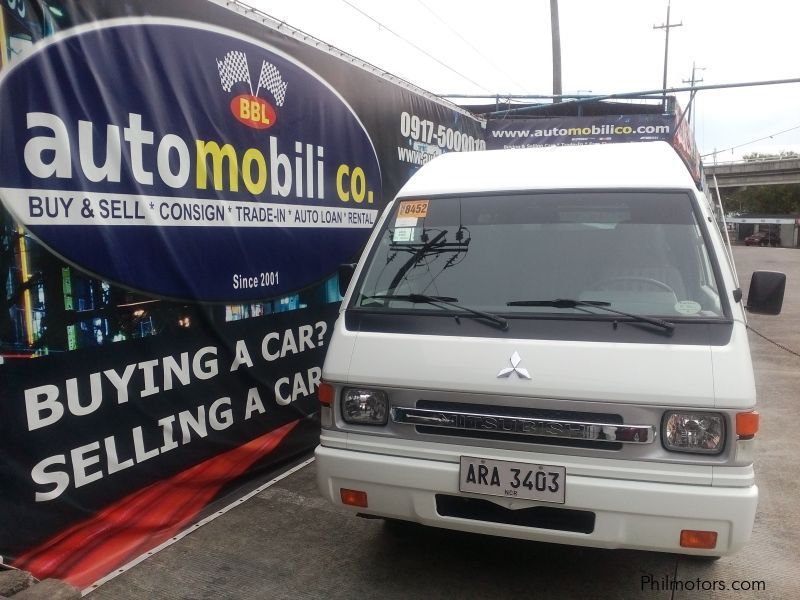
(699, 432)
(365, 407)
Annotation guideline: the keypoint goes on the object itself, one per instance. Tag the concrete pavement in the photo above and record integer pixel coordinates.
(286, 542)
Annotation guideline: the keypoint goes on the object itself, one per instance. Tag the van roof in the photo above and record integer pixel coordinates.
(627, 165)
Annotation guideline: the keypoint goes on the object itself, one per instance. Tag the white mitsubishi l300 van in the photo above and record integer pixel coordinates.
(548, 344)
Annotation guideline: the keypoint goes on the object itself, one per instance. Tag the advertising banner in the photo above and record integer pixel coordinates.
(180, 181)
(572, 130)
(560, 131)
(684, 144)
(263, 164)
(95, 427)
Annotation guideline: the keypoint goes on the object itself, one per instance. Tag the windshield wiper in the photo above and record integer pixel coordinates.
(563, 303)
(495, 320)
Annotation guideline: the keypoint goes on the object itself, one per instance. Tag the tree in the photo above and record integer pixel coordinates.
(764, 199)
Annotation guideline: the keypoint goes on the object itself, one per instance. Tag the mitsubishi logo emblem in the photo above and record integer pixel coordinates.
(515, 368)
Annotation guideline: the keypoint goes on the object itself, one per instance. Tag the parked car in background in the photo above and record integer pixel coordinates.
(763, 238)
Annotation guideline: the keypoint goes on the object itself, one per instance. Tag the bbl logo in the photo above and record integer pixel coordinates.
(249, 109)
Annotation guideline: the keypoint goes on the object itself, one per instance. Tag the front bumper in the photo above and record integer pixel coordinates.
(628, 513)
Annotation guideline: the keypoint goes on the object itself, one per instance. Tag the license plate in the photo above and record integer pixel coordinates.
(545, 483)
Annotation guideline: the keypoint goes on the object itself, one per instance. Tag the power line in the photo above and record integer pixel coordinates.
(413, 45)
(761, 139)
(256, 14)
(468, 43)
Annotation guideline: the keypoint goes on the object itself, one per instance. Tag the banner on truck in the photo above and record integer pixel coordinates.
(179, 185)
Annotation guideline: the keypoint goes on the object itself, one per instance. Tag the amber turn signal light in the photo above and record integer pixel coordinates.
(704, 540)
(354, 497)
(747, 424)
(325, 394)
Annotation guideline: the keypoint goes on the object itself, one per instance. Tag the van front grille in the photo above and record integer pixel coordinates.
(573, 429)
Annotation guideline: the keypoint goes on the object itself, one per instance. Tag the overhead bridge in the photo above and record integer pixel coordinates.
(754, 172)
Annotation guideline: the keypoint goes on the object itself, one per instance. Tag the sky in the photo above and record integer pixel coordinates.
(470, 47)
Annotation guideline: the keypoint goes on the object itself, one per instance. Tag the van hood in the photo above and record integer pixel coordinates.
(634, 373)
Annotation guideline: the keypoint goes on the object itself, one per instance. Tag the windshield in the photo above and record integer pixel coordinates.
(640, 252)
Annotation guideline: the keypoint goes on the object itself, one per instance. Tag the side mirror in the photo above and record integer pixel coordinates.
(345, 275)
(766, 292)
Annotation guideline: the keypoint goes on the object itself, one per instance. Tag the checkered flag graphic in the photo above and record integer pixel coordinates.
(233, 69)
(270, 79)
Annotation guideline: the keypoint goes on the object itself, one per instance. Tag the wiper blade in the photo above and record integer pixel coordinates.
(559, 303)
(565, 303)
(495, 320)
(410, 297)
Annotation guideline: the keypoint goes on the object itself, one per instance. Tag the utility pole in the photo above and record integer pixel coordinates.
(692, 81)
(556, 34)
(666, 27)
